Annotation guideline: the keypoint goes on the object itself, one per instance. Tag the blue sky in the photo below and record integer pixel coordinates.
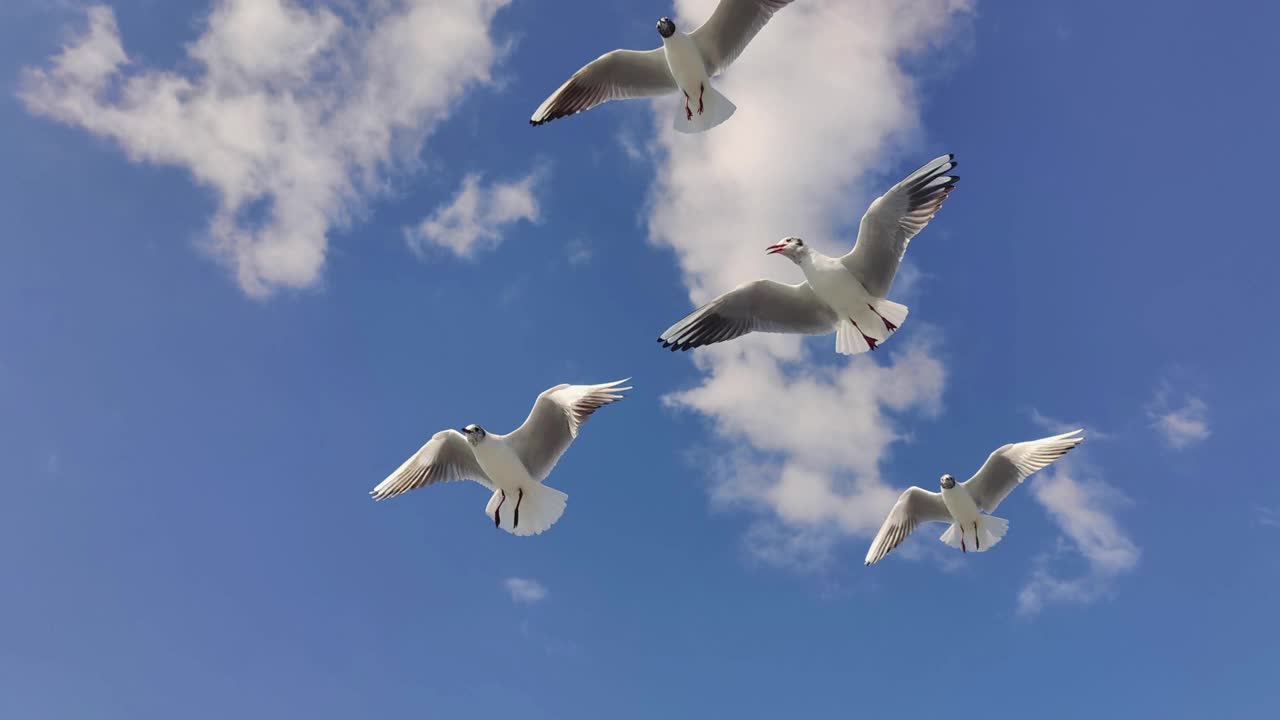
(227, 317)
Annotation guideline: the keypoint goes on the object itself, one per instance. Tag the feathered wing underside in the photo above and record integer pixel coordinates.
(759, 306)
(723, 37)
(896, 217)
(446, 456)
(1008, 466)
(915, 506)
(616, 75)
(557, 416)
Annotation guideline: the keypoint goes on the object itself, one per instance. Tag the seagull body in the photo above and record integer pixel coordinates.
(963, 504)
(845, 295)
(685, 63)
(687, 68)
(513, 466)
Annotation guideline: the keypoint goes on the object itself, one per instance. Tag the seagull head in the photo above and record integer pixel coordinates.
(474, 433)
(666, 28)
(948, 482)
(791, 248)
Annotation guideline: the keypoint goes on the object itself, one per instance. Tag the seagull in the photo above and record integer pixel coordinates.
(513, 466)
(844, 295)
(962, 505)
(684, 62)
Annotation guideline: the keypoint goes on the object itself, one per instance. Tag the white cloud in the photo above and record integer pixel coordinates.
(525, 590)
(810, 441)
(1182, 423)
(293, 116)
(822, 100)
(473, 220)
(1083, 509)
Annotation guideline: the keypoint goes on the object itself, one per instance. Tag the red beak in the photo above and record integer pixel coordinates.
(775, 248)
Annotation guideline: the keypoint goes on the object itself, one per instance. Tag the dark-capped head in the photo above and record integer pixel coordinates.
(791, 248)
(474, 433)
(948, 482)
(666, 28)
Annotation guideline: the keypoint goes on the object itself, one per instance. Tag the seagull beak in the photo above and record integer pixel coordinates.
(772, 249)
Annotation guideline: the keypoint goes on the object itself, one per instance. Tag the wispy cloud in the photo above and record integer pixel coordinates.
(579, 252)
(293, 116)
(631, 146)
(473, 220)
(1083, 509)
(525, 590)
(1181, 419)
(807, 436)
(1269, 517)
(1056, 426)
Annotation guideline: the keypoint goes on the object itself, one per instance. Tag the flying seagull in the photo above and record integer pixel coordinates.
(684, 62)
(962, 504)
(512, 466)
(842, 295)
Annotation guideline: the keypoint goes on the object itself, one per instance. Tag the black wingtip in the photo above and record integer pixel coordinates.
(551, 118)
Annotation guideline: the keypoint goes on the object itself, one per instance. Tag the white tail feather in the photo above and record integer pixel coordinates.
(540, 508)
(990, 531)
(849, 340)
(893, 312)
(716, 108)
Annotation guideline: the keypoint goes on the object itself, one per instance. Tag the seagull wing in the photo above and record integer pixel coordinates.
(915, 505)
(446, 456)
(893, 219)
(724, 35)
(554, 421)
(615, 75)
(1008, 466)
(759, 306)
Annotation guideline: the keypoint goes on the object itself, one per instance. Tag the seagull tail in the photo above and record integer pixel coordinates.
(991, 530)
(540, 508)
(716, 108)
(848, 340)
(871, 326)
(891, 313)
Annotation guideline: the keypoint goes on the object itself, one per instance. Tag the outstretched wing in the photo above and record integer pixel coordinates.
(915, 505)
(758, 306)
(724, 35)
(615, 75)
(1008, 466)
(554, 421)
(446, 456)
(893, 219)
